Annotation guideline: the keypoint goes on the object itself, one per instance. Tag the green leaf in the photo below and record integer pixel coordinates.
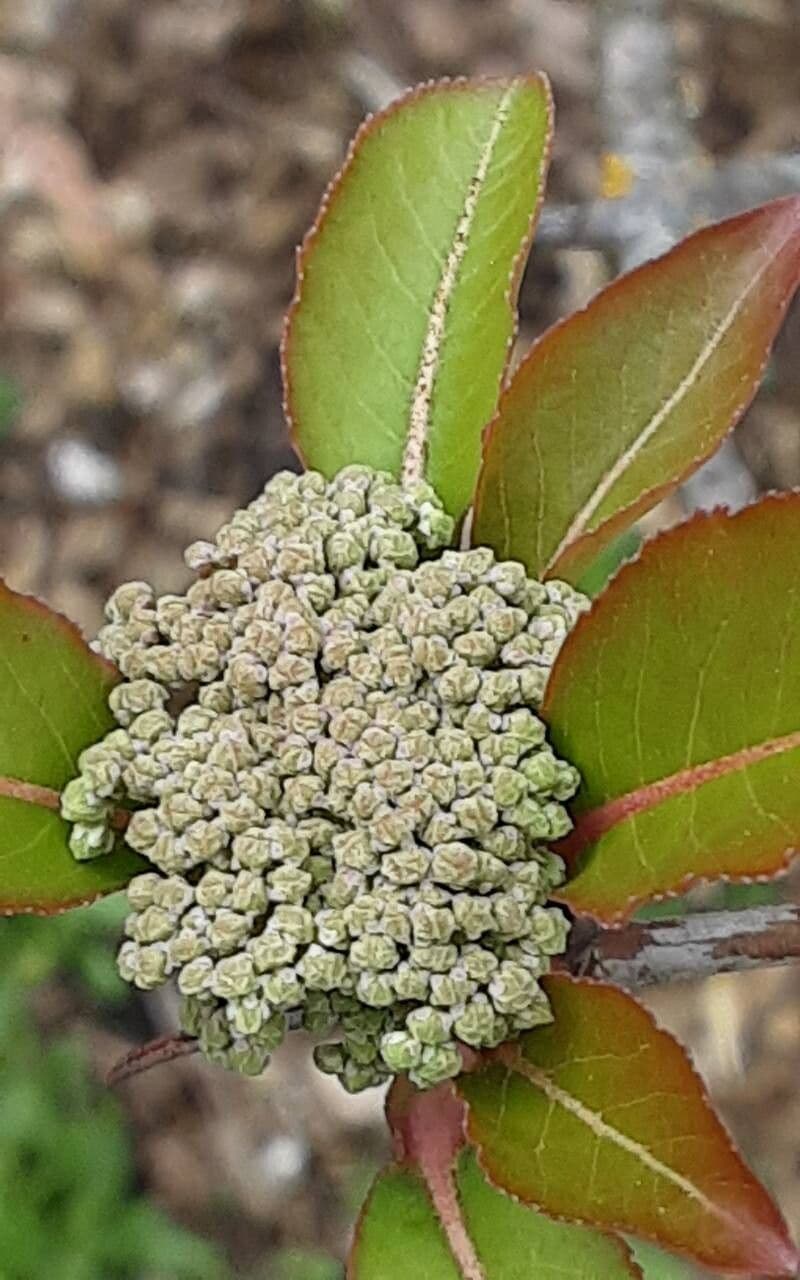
(399, 1223)
(53, 703)
(600, 1117)
(511, 1242)
(616, 405)
(657, 1265)
(405, 311)
(611, 558)
(678, 698)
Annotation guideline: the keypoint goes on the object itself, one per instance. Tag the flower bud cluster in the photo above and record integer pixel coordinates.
(342, 782)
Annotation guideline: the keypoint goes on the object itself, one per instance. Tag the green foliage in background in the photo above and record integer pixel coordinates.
(63, 1136)
(295, 1264)
(9, 405)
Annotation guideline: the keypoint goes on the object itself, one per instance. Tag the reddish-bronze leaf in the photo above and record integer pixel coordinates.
(600, 1117)
(617, 404)
(678, 698)
(436, 1204)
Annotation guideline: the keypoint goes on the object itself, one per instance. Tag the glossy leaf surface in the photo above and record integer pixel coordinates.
(616, 405)
(400, 331)
(678, 698)
(511, 1241)
(53, 703)
(600, 1117)
(657, 1265)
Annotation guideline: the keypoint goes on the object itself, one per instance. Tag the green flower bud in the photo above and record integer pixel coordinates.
(322, 970)
(549, 928)
(80, 804)
(406, 867)
(355, 1077)
(233, 976)
(154, 924)
(460, 683)
(128, 597)
(204, 841)
(373, 951)
(429, 1026)
(473, 915)
(288, 884)
(448, 989)
(152, 966)
(249, 893)
(391, 829)
(401, 1051)
(180, 810)
(455, 864)
(476, 1025)
(470, 777)
(411, 982)
(353, 849)
(142, 890)
(510, 914)
(128, 960)
(295, 922)
(436, 958)
(283, 989)
(396, 922)
(508, 787)
(479, 648)
(271, 950)
(228, 931)
(87, 841)
(532, 684)
(183, 946)
(330, 1058)
(527, 953)
(303, 793)
(131, 698)
(431, 924)
(559, 823)
(529, 816)
(376, 990)
(246, 1015)
(239, 815)
(512, 988)
(196, 976)
(215, 1034)
(214, 889)
(537, 1014)
(479, 963)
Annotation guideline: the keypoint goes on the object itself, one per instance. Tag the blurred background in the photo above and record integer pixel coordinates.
(159, 161)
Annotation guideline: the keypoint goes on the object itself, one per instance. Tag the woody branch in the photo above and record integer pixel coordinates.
(695, 946)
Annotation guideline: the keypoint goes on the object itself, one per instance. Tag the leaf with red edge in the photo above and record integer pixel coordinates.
(616, 405)
(400, 332)
(678, 699)
(53, 704)
(601, 1118)
(512, 1242)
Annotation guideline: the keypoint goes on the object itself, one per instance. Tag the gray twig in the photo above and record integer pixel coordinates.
(694, 946)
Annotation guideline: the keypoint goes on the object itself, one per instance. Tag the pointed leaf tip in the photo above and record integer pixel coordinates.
(400, 330)
(617, 404)
(600, 1118)
(678, 699)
